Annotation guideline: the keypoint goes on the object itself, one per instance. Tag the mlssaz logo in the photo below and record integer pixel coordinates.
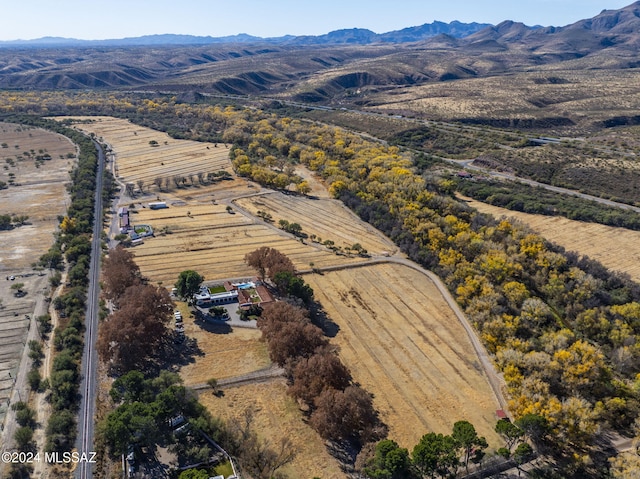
(70, 457)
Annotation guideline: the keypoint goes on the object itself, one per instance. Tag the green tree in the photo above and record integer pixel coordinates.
(60, 431)
(129, 387)
(509, 432)
(129, 423)
(17, 288)
(213, 384)
(390, 462)
(534, 426)
(522, 454)
(467, 438)
(23, 437)
(26, 417)
(292, 285)
(188, 283)
(194, 474)
(435, 454)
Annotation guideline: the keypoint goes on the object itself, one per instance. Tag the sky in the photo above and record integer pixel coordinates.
(107, 19)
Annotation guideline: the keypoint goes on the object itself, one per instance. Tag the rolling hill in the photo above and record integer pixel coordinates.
(354, 67)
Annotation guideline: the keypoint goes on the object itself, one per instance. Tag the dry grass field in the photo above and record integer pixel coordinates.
(616, 248)
(136, 160)
(216, 246)
(139, 160)
(39, 193)
(327, 219)
(224, 353)
(277, 416)
(402, 342)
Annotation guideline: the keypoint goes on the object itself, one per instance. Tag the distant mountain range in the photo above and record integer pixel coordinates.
(352, 36)
(341, 66)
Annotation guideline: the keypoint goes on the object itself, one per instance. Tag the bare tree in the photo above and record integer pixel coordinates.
(313, 375)
(158, 183)
(347, 415)
(131, 334)
(140, 185)
(128, 188)
(260, 458)
(201, 178)
(119, 271)
(268, 262)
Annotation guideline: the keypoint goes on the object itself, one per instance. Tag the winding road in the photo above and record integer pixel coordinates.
(557, 189)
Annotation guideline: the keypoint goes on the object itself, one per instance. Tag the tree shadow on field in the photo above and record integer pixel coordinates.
(210, 324)
(173, 354)
(320, 318)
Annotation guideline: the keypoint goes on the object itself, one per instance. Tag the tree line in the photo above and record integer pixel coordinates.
(561, 328)
(337, 408)
(138, 326)
(71, 249)
(537, 200)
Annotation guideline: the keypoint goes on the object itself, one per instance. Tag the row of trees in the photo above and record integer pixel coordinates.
(562, 329)
(537, 200)
(547, 317)
(178, 181)
(74, 240)
(8, 222)
(338, 409)
(442, 455)
(139, 325)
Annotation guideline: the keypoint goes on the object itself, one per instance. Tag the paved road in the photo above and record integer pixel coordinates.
(84, 443)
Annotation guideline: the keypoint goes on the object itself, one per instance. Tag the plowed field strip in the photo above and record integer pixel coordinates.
(404, 344)
(138, 160)
(402, 336)
(218, 252)
(324, 218)
(369, 355)
(438, 333)
(450, 363)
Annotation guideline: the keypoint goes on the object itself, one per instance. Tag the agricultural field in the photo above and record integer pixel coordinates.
(406, 347)
(403, 343)
(276, 416)
(325, 218)
(14, 327)
(616, 248)
(146, 155)
(35, 188)
(214, 242)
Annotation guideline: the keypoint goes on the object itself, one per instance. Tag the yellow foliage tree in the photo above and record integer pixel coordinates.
(68, 225)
